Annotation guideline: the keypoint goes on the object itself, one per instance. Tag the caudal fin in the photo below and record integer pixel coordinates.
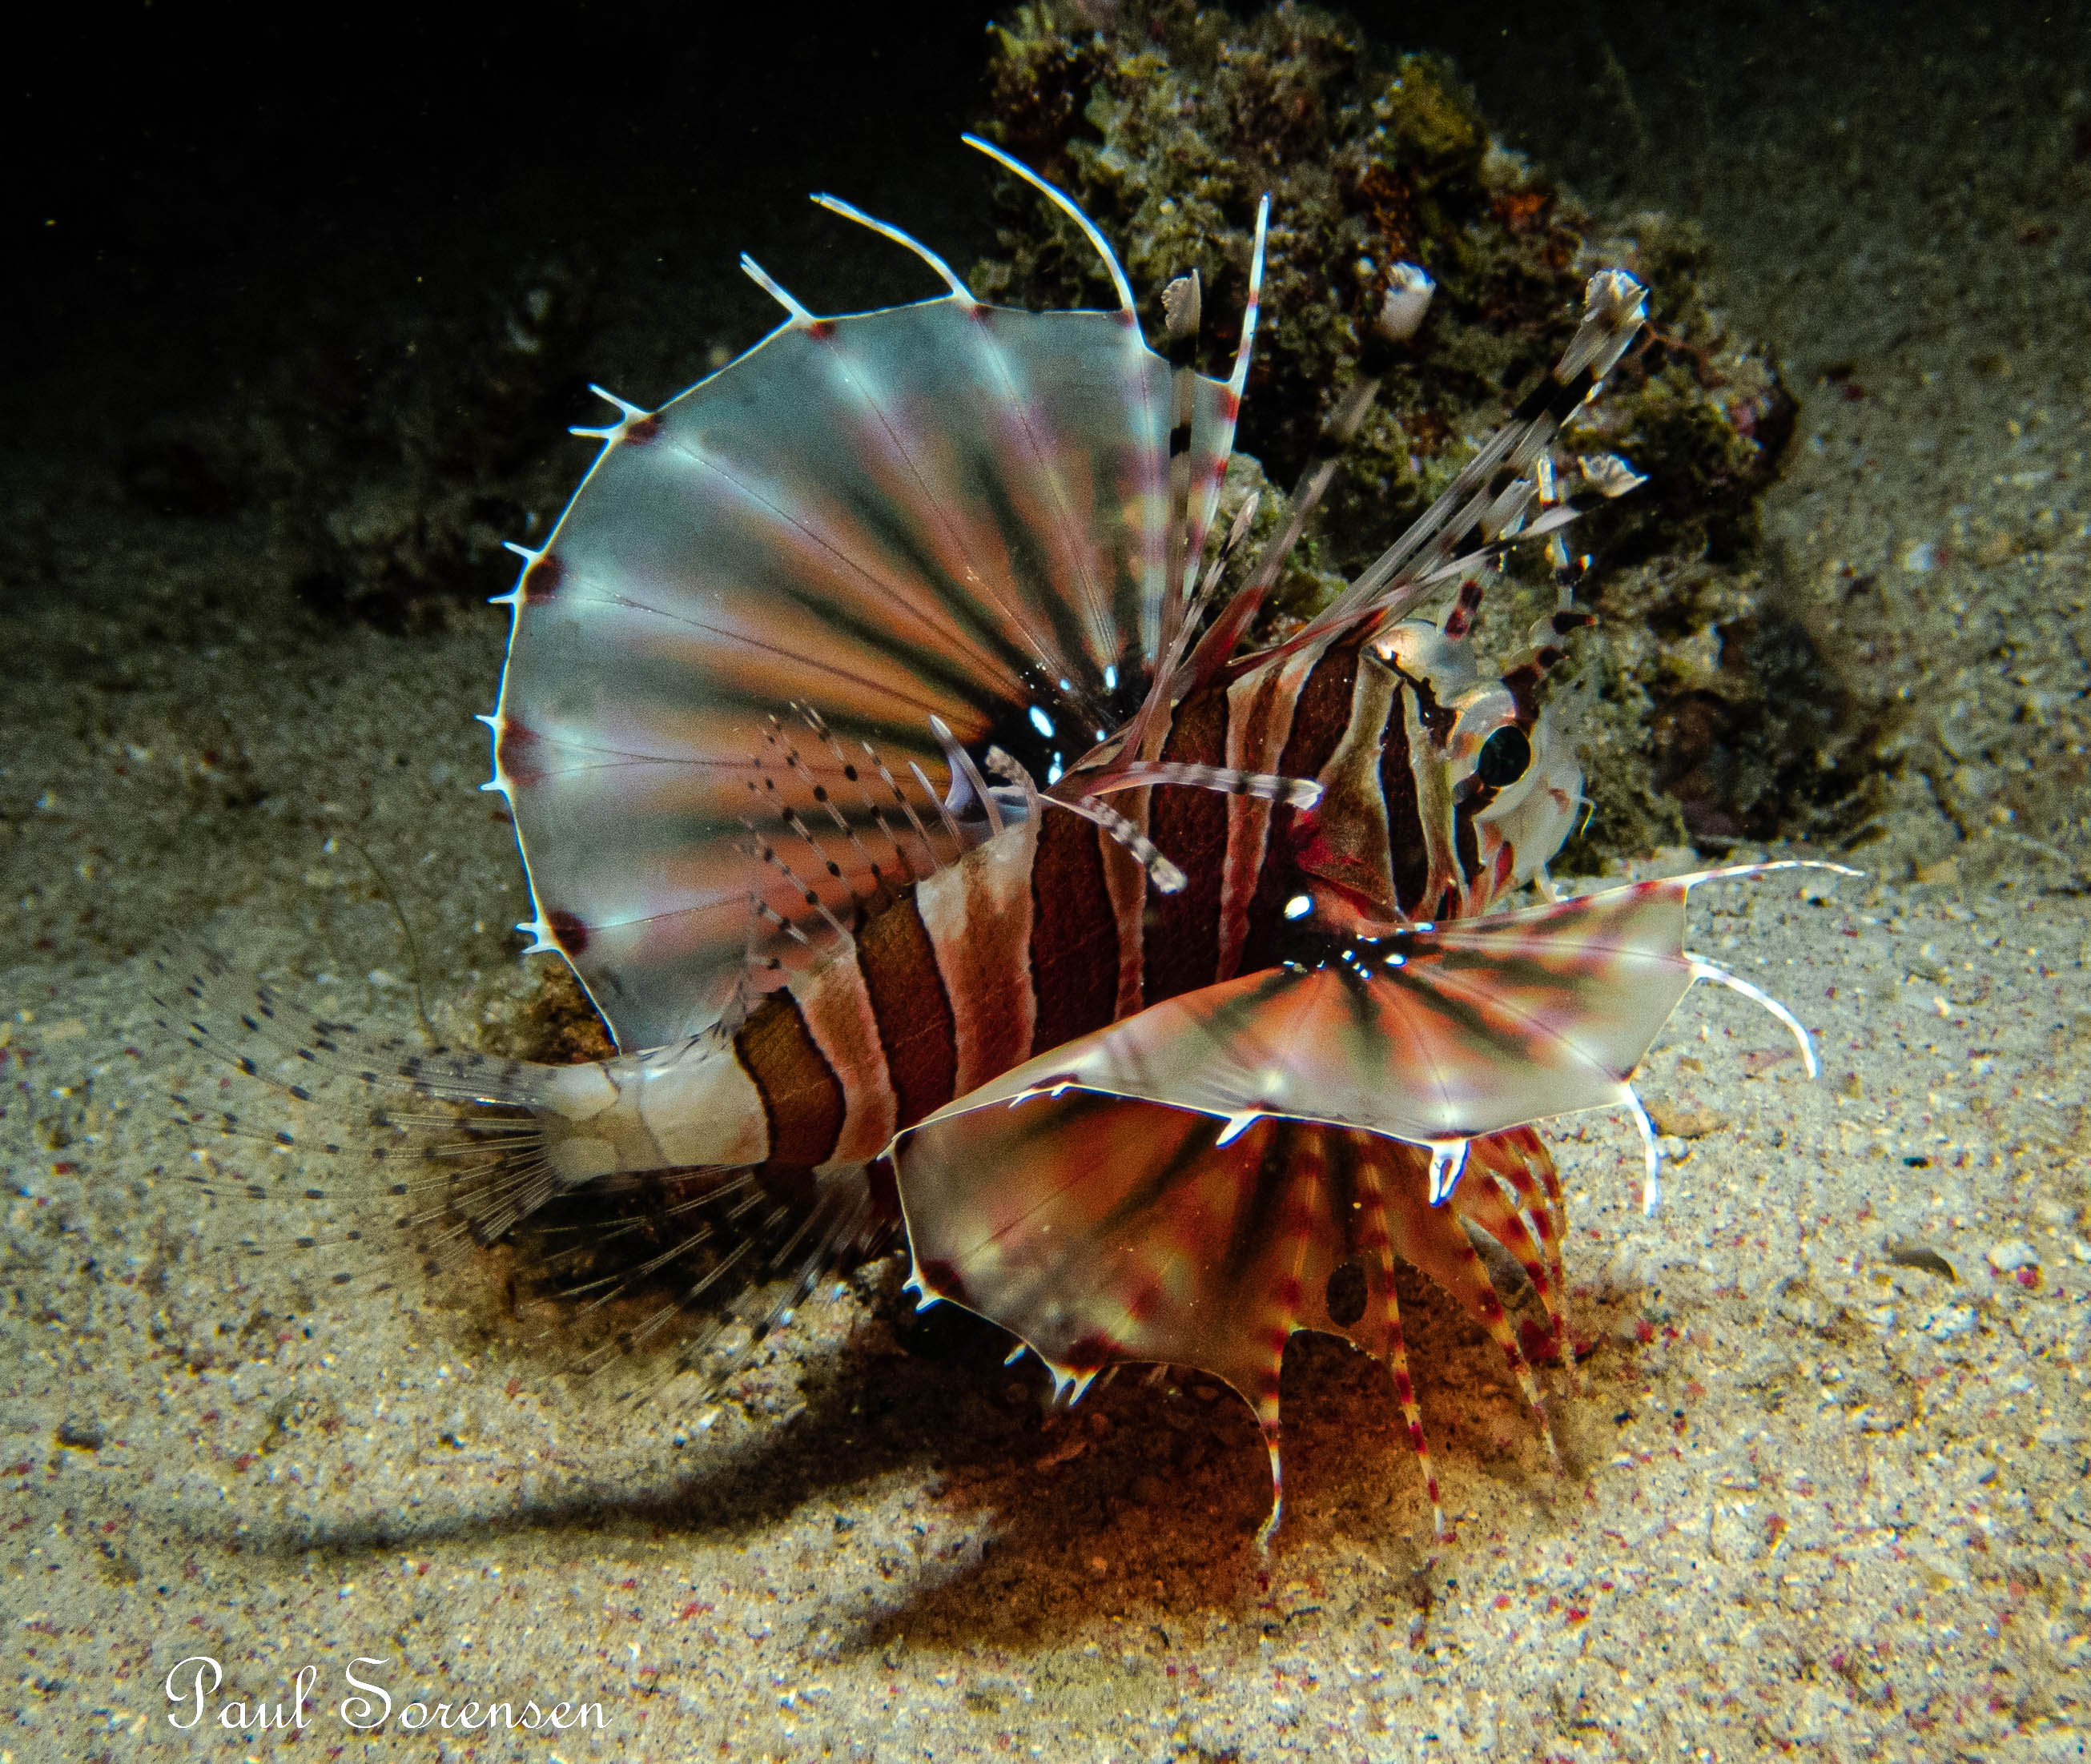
(374, 1161)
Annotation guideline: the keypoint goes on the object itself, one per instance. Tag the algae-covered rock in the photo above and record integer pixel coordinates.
(1703, 709)
(428, 464)
(392, 473)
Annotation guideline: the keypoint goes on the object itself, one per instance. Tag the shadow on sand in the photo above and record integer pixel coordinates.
(1141, 1503)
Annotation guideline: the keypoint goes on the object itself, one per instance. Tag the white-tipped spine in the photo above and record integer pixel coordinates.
(1246, 349)
(1067, 206)
(1448, 1163)
(1651, 1187)
(849, 211)
(763, 280)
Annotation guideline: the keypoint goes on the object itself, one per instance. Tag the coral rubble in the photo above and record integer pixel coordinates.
(1705, 712)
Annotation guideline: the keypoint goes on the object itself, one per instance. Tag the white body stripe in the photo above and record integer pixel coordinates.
(1260, 710)
(690, 1105)
(837, 1009)
(1434, 808)
(701, 1107)
(978, 912)
(1352, 802)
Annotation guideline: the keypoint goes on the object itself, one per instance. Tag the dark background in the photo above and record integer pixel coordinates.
(172, 167)
(203, 205)
(256, 267)
(176, 173)
(180, 172)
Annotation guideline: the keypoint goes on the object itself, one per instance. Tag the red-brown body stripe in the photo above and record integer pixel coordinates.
(1466, 842)
(1324, 712)
(1318, 722)
(1074, 933)
(1260, 707)
(1404, 816)
(1182, 942)
(911, 1006)
(802, 1097)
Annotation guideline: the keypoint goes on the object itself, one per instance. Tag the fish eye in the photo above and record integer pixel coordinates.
(1503, 757)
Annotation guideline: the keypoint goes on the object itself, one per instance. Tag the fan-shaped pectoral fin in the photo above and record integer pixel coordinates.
(939, 510)
(1151, 1192)
(1102, 1230)
(1432, 1034)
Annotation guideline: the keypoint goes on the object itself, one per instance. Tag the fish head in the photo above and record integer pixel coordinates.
(1493, 769)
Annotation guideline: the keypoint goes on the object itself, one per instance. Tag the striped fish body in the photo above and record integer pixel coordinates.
(1050, 929)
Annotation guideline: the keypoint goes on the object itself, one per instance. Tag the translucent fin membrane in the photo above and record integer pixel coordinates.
(944, 510)
(1115, 1231)
(1172, 1187)
(1484, 1024)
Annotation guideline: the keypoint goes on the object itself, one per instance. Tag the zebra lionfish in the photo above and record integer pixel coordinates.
(1167, 1042)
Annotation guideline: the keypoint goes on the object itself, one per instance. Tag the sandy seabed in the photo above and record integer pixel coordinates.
(1824, 1485)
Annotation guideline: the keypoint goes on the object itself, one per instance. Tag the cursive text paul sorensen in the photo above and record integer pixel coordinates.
(193, 1702)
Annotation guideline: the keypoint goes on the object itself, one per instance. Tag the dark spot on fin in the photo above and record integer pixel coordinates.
(540, 581)
(942, 1279)
(567, 931)
(1095, 1350)
(1346, 1293)
(516, 754)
